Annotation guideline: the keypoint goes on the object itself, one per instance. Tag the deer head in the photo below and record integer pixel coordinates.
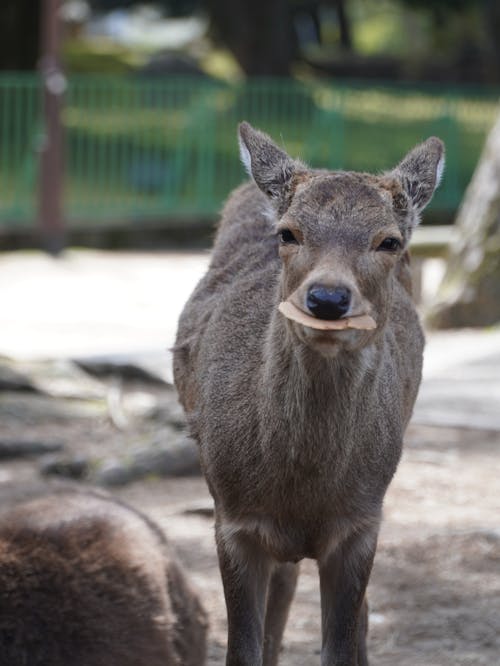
(341, 235)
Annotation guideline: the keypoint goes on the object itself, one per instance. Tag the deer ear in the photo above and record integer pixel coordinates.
(420, 172)
(270, 167)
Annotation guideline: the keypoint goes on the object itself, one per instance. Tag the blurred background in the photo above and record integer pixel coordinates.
(136, 103)
(118, 117)
(117, 150)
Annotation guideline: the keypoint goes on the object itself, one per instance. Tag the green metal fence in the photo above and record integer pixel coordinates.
(139, 150)
(19, 132)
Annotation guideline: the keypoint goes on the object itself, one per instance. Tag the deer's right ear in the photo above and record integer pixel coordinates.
(270, 167)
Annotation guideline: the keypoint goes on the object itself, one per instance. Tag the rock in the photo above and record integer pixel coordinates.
(77, 468)
(205, 509)
(13, 380)
(58, 379)
(31, 409)
(21, 448)
(124, 366)
(64, 379)
(115, 473)
(168, 411)
(140, 404)
(178, 459)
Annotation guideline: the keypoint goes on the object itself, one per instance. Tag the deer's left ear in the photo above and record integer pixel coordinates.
(420, 172)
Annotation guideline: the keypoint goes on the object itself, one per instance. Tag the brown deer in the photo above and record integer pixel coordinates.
(88, 581)
(300, 416)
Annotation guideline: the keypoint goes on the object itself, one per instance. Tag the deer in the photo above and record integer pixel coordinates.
(297, 361)
(88, 580)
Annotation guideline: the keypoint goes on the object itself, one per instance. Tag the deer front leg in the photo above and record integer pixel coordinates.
(344, 576)
(281, 590)
(245, 569)
(362, 634)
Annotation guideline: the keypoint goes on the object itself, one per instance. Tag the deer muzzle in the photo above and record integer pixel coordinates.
(360, 322)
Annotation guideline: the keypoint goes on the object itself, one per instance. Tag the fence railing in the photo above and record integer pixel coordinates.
(140, 150)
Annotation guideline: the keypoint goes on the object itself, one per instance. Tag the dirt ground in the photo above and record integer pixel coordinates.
(435, 588)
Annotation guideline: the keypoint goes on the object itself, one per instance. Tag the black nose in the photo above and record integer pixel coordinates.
(328, 302)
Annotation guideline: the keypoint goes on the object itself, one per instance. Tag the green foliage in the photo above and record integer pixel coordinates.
(100, 55)
(378, 29)
(439, 5)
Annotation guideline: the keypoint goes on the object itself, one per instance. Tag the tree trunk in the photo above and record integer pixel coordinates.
(345, 27)
(259, 33)
(491, 26)
(19, 34)
(469, 294)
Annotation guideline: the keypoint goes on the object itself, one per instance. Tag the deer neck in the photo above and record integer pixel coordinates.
(309, 397)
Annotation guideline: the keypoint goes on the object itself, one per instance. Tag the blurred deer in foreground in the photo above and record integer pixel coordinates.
(298, 360)
(87, 581)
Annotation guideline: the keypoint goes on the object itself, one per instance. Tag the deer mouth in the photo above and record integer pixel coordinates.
(360, 322)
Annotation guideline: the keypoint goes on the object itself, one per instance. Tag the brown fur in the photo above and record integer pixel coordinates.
(88, 581)
(300, 431)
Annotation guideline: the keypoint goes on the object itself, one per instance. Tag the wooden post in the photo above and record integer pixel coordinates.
(50, 207)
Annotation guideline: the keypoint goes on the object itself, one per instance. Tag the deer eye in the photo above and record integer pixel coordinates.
(389, 244)
(287, 237)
